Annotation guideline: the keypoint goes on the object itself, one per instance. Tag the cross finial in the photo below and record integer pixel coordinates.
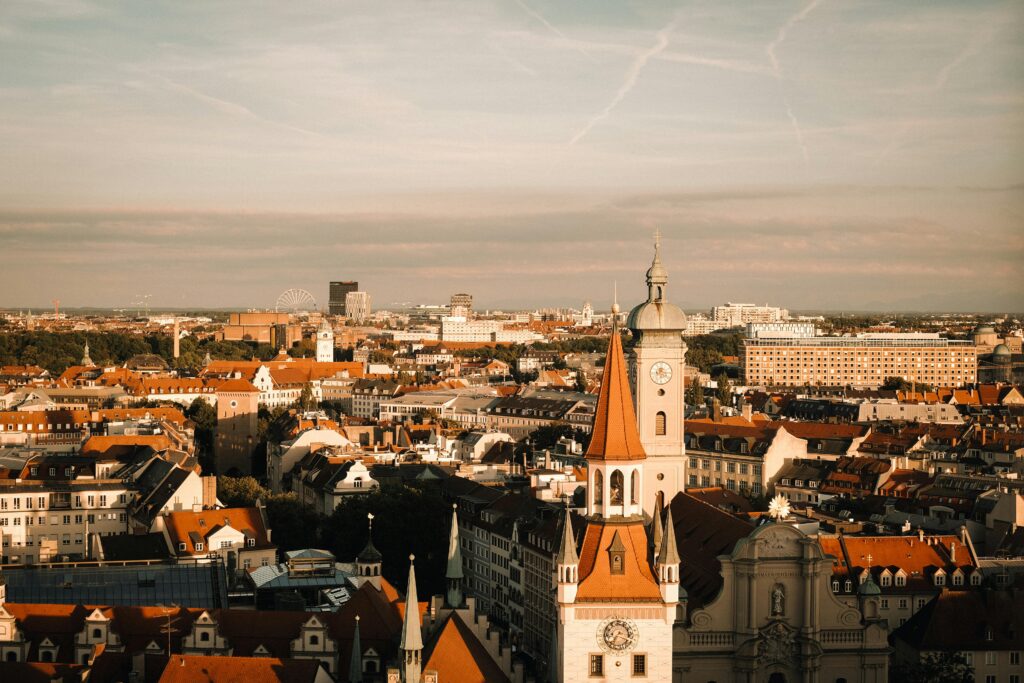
(869, 561)
(369, 517)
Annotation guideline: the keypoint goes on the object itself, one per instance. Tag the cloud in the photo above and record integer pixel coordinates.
(632, 75)
(770, 49)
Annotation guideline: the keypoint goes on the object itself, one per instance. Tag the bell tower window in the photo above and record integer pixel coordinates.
(617, 484)
(659, 424)
(598, 488)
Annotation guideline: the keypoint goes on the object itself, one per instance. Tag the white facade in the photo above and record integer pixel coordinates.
(282, 457)
(734, 315)
(325, 343)
(357, 305)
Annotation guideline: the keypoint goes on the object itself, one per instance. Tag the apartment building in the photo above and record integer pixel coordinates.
(862, 361)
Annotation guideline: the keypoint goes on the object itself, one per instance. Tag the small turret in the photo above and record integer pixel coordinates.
(369, 559)
(86, 360)
(567, 563)
(667, 564)
(411, 644)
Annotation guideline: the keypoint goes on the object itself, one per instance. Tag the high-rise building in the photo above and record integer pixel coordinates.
(339, 290)
(461, 305)
(357, 306)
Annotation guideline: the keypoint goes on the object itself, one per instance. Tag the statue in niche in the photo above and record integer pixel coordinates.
(778, 600)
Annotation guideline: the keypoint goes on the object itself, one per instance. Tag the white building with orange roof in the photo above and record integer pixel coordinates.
(616, 603)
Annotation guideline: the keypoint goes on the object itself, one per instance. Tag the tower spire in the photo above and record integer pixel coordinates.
(412, 638)
(567, 563)
(355, 664)
(86, 360)
(657, 276)
(615, 435)
(454, 571)
(667, 565)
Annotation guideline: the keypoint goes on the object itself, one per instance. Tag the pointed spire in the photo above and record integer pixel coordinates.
(657, 530)
(412, 638)
(567, 547)
(207, 359)
(615, 435)
(86, 360)
(657, 276)
(355, 664)
(668, 553)
(454, 570)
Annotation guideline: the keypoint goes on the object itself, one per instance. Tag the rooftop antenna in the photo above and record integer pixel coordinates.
(56, 308)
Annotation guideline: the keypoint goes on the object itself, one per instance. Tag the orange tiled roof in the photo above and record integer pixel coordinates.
(457, 655)
(597, 582)
(190, 668)
(102, 444)
(183, 527)
(237, 386)
(615, 436)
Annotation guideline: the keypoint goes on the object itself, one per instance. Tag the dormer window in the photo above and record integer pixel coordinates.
(835, 586)
(958, 579)
(886, 579)
(976, 579)
(251, 542)
(199, 547)
(182, 547)
(940, 579)
(849, 586)
(901, 580)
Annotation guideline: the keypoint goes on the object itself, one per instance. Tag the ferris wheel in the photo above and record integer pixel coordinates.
(294, 301)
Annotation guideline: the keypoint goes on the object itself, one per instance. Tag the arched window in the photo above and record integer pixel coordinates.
(314, 640)
(616, 485)
(47, 655)
(598, 487)
(204, 636)
(97, 633)
(634, 487)
(659, 424)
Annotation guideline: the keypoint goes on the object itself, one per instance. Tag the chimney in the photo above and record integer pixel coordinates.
(716, 410)
(748, 411)
(920, 534)
(952, 552)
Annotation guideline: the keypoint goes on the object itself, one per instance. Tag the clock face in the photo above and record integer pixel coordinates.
(661, 372)
(618, 635)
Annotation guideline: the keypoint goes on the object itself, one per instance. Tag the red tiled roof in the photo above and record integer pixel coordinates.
(615, 435)
(457, 654)
(597, 582)
(192, 668)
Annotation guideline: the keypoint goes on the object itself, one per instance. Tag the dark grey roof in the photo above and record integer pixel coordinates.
(126, 547)
(187, 585)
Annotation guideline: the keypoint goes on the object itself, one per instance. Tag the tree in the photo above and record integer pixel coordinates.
(294, 524)
(306, 400)
(695, 392)
(547, 436)
(724, 391)
(941, 667)
(240, 491)
(407, 519)
(901, 384)
(581, 381)
(204, 417)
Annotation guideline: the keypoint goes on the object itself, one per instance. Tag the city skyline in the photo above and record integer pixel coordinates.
(815, 155)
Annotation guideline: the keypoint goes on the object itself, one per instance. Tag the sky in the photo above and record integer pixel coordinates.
(813, 154)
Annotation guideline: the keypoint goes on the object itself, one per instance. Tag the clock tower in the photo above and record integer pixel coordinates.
(616, 603)
(656, 367)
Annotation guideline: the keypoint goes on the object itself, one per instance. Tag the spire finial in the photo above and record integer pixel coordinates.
(369, 518)
(615, 300)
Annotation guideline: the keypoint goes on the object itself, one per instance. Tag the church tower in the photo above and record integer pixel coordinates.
(656, 367)
(614, 617)
(324, 342)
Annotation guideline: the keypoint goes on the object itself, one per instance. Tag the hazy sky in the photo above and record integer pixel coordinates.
(810, 154)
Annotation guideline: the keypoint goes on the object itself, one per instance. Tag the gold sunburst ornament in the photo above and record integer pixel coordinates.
(779, 508)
